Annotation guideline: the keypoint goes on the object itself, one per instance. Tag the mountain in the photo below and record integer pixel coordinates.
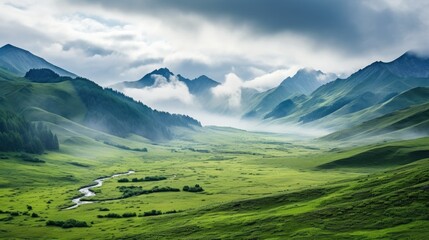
(362, 96)
(410, 64)
(201, 84)
(19, 61)
(304, 82)
(197, 86)
(84, 102)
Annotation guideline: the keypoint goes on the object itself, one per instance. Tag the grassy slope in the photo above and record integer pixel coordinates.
(413, 120)
(412, 97)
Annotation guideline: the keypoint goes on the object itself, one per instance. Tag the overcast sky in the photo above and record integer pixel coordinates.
(110, 41)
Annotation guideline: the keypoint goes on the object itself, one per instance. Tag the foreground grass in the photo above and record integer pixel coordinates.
(256, 186)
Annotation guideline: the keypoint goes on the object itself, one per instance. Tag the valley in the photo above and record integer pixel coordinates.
(82, 161)
(256, 176)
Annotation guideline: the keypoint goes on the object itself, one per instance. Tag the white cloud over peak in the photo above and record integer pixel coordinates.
(270, 80)
(166, 94)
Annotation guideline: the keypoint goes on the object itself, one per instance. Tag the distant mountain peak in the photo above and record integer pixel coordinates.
(163, 72)
(19, 61)
(410, 64)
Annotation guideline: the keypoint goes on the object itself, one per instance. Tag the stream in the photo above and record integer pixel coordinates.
(89, 193)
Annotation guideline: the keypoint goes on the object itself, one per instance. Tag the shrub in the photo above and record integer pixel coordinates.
(152, 213)
(196, 188)
(14, 213)
(126, 215)
(34, 215)
(123, 180)
(70, 223)
(104, 209)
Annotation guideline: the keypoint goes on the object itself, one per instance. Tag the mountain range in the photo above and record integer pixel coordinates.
(369, 99)
(197, 86)
(369, 93)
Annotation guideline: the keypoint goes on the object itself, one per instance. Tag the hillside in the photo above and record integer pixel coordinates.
(87, 103)
(409, 122)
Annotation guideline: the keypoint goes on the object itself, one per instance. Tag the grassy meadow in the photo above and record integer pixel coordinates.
(256, 186)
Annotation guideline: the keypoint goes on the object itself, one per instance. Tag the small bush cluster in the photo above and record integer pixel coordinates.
(196, 188)
(70, 223)
(152, 213)
(28, 158)
(125, 147)
(145, 179)
(129, 191)
(115, 215)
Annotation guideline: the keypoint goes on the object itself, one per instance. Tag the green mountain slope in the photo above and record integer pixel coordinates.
(413, 120)
(374, 91)
(87, 103)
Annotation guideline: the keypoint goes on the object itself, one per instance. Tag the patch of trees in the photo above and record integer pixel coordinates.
(196, 188)
(70, 223)
(17, 134)
(130, 191)
(113, 112)
(44, 75)
(125, 147)
(145, 179)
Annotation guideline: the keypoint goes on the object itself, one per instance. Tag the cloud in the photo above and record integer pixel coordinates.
(166, 94)
(88, 48)
(270, 80)
(229, 90)
(351, 25)
(110, 41)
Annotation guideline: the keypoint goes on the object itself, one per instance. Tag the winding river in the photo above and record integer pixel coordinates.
(87, 192)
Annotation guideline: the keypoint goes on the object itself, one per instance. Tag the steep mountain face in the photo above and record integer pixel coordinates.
(88, 104)
(19, 61)
(197, 86)
(361, 96)
(410, 64)
(304, 82)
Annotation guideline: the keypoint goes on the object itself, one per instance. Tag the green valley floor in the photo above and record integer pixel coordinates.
(255, 186)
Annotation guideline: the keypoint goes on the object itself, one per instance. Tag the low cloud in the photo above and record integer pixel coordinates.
(230, 90)
(165, 95)
(270, 80)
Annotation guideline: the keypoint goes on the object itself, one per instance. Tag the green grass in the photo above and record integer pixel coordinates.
(256, 186)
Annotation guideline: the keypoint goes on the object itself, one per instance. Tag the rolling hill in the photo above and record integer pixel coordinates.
(410, 122)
